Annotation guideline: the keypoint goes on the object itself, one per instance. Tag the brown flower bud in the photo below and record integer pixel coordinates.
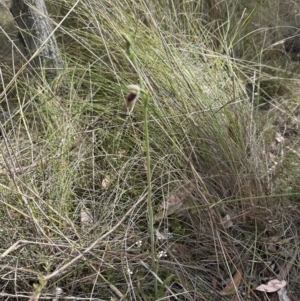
(133, 95)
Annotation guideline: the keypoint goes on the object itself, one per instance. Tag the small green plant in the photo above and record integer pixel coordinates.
(130, 99)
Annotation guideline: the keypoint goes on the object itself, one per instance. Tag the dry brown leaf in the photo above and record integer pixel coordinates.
(85, 219)
(160, 215)
(226, 221)
(279, 138)
(214, 283)
(287, 240)
(105, 182)
(272, 157)
(274, 241)
(172, 203)
(161, 235)
(233, 284)
(180, 251)
(272, 286)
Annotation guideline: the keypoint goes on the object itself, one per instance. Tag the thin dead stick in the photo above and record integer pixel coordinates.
(14, 209)
(15, 246)
(21, 243)
(93, 245)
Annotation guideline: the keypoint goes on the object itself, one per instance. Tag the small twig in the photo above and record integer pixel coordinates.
(15, 246)
(21, 243)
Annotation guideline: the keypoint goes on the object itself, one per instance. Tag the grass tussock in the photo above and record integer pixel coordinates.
(189, 194)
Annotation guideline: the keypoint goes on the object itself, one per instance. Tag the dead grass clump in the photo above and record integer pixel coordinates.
(222, 178)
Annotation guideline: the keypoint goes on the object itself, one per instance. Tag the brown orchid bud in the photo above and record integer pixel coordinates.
(133, 95)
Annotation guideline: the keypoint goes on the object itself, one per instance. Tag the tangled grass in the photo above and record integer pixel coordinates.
(192, 194)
